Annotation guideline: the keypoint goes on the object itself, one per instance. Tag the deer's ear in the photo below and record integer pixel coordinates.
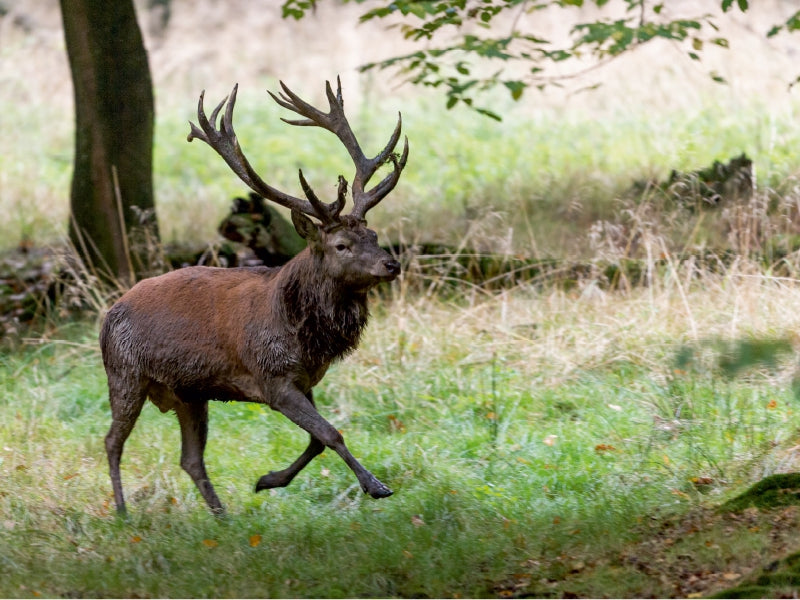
(307, 229)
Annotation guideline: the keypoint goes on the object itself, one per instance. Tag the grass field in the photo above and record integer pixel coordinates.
(542, 441)
(537, 443)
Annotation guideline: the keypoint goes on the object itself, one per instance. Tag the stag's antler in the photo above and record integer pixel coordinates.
(224, 141)
(336, 122)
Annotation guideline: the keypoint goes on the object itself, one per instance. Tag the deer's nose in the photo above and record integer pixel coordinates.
(392, 266)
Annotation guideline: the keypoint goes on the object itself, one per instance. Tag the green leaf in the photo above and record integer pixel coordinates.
(531, 39)
(296, 9)
(717, 77)
(450, 67)
(558, 55)
(793, 22)
(415, 8)
(516, 88)
(378, 13)
(488, 113)
(742, 4)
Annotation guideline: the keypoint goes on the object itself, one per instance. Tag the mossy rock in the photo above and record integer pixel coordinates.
(781, 579)
(745, 591)
(774, 491)
(712, 186)
(258, 225)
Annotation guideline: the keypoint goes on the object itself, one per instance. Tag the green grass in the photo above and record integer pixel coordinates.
(538, 174)
(533, 441)
(528, 183)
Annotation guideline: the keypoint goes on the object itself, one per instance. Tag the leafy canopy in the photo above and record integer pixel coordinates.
(469, 46)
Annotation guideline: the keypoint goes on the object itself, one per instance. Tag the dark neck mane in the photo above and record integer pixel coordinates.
(327, 317)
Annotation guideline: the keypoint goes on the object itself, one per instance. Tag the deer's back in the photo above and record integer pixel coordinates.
(191, 329)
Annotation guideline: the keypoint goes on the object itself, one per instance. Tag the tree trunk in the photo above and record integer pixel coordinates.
(114, 117)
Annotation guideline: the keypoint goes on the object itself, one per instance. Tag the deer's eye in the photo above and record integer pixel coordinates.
(341, 247)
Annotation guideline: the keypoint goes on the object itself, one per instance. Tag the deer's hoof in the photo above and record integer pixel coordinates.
(378, 490)
(271, 480)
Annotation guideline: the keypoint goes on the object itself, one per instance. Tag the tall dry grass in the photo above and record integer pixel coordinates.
(555, 334)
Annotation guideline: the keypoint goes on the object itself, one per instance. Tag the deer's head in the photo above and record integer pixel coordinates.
(348, 252)
(343, 244)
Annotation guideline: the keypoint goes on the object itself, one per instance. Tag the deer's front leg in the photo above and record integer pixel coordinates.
(275, 479)
(300, 410)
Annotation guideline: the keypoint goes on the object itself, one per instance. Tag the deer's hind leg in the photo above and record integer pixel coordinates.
(193, 419)
(126, 396)
(275, 479)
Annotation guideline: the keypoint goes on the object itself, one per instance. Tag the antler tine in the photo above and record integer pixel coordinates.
(196, 132)
(291, 101)
(341, 195)
(332, 210)
(334, 120)
(366, 200)
(338, 99)
(286, 103)
(384, 154)
(223, 140)
(371, 198)
(387, 183)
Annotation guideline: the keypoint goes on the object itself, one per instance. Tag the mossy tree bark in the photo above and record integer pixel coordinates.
(114, 116)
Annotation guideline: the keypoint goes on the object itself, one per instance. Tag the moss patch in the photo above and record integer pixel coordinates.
(774, 491)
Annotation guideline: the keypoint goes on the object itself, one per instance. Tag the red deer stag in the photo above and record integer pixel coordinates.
(256, 334)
